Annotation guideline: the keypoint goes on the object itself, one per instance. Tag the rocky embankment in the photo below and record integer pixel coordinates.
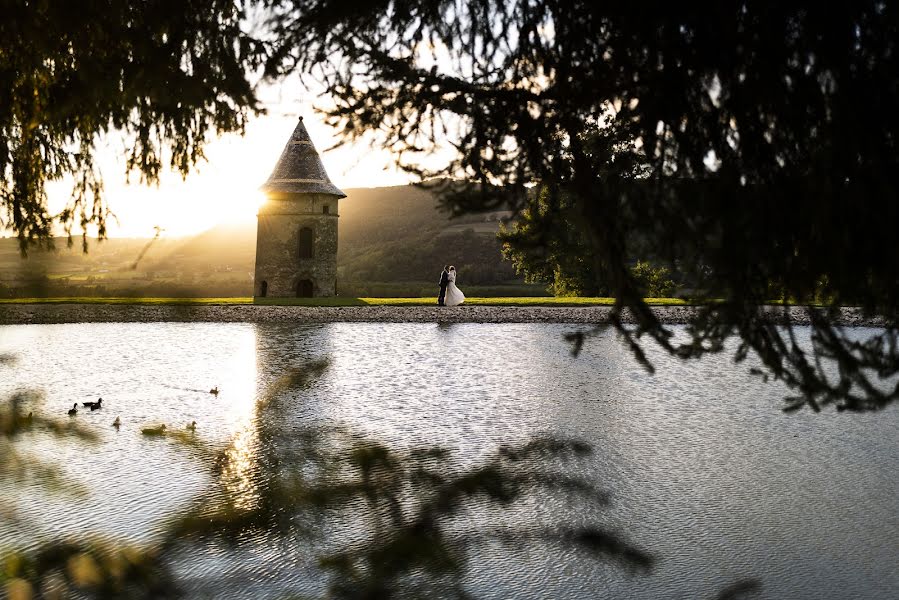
(11, 314)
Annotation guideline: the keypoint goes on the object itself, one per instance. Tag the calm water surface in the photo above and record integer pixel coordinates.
(703, 469)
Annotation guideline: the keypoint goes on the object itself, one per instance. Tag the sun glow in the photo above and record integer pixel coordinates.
(240, 398)
(225, 187)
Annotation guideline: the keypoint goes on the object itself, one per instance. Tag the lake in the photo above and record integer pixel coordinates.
(702, 469)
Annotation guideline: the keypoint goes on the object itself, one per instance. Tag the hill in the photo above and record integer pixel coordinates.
(399, 235)
(393, 241)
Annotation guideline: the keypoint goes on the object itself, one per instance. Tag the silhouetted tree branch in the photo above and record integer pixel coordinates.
(768, 132)
(165, 76)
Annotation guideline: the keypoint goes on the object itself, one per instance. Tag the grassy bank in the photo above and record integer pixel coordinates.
(340, 301)
(119, 300)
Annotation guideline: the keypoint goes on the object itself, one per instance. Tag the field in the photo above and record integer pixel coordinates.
(394, 241)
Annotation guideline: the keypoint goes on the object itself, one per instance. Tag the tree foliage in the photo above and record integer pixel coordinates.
(654, 282)
(768, 136)
(164, 75)
(769, 131)
(545, 245)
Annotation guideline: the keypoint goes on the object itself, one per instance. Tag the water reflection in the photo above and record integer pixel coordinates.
(146, 375)
(702, 467)
(237, 476)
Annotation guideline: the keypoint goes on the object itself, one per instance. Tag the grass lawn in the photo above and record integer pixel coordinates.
(341, 301)
(101, 300)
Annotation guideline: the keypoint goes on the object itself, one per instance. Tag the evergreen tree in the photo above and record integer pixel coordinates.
(166, 75)
(770, 130)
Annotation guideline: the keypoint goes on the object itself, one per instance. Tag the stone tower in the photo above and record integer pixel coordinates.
(296, 237)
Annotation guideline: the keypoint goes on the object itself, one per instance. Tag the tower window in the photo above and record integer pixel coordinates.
(304, 288)
(306, 243)
(326, 209)
(263, 289)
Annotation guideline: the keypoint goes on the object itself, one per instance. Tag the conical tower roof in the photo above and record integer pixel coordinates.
(300, 170)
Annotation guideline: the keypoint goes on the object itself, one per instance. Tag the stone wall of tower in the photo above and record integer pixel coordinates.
(280, 268)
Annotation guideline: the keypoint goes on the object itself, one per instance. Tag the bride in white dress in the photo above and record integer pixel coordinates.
(454, 296)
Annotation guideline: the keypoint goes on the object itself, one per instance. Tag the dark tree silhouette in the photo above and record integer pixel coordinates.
(769, 131)
(166, 75)
(547, 241)
(768, 135)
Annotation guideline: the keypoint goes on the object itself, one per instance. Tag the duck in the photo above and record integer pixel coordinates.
(192, 426)
(160, 430)
(96, 405)
(74, 410)
(214, 391)
(117, 423)
(92, 405)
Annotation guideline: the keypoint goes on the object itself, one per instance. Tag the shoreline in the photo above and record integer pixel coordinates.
(24, 314)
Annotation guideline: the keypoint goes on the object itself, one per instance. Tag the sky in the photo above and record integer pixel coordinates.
(225, 188)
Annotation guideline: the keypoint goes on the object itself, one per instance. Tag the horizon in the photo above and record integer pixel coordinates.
(224, 188)
(249, 221)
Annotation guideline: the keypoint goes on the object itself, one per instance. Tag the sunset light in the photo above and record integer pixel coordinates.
(494, 299)
(225, 187)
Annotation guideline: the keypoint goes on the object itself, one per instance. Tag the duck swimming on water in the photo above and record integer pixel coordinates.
(160, 430)
(117, 423)
(214, 391)
(74, 410)
(92, 405)
(192, 426)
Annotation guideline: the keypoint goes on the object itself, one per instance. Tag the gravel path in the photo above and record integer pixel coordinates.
(12, 314)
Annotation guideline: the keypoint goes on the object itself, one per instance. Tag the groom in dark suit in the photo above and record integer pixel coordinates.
(444, 280)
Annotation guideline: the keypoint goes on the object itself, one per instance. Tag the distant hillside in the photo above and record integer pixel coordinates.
(223, 247)
(392, 241)
(397, 234)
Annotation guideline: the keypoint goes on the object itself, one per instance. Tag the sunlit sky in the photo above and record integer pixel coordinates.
(225, 188)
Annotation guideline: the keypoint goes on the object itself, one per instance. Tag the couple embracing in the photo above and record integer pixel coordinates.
(450, 295)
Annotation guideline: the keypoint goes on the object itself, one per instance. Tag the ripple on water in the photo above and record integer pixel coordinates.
(703, 469)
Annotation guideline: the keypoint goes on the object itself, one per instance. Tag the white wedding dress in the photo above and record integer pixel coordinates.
(454, 296)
